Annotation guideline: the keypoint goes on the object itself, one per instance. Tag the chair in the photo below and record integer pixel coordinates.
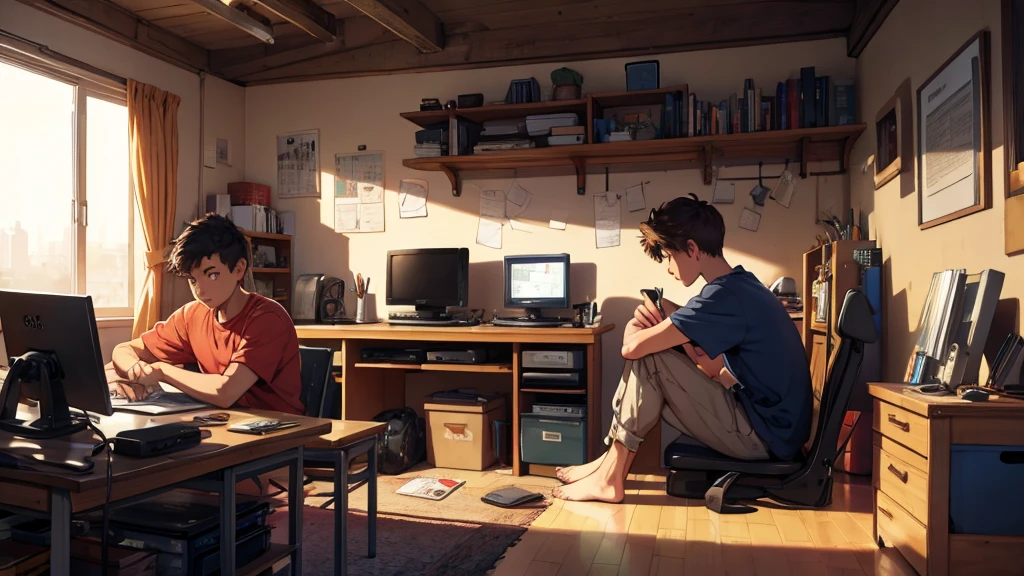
(318, 390)
(698, 471)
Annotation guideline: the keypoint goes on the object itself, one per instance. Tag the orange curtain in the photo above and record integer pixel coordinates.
(153, 146)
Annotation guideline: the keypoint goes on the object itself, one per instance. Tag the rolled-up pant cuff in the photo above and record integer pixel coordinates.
(619, 433)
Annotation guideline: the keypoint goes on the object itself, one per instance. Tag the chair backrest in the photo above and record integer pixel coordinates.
(316, 378)
(855, 328)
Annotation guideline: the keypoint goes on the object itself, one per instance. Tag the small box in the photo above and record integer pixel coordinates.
(244, 193)
(567, 130)
(461, 435)
(553, 439)
(984, 490)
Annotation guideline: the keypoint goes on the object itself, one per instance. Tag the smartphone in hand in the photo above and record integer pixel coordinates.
(654, 294)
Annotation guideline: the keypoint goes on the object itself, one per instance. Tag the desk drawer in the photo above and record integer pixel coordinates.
(901, 479)
(897, 528)
(903, 426)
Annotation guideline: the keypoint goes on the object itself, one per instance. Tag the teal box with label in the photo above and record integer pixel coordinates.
(553, 440)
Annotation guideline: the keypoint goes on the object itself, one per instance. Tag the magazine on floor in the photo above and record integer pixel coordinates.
(430, 488)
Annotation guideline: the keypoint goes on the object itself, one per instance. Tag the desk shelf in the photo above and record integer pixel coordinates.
(548, 391)
(440, 367)
(273, 555)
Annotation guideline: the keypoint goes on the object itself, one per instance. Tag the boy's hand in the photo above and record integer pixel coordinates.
(146, 374)
(129, 390)
(647, 314)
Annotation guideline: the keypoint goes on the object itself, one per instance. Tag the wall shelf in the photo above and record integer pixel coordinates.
(700, 152)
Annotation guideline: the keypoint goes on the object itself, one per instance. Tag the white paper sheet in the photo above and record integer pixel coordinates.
(750, 220)
(492, 216)
(412, 198)
(558, 219)
(371, 217)
(607, 221)
(635, 198)
(488, 232)
(520, 225)
(492, 204)
(346, 217)
(725, 192)
(517, 201)
(784, 189)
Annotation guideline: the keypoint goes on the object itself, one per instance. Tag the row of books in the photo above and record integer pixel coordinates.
(806, 102)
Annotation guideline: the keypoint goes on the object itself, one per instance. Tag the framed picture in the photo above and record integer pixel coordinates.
(893, 139)
(223, 151)
(298, 164)
(955, 164)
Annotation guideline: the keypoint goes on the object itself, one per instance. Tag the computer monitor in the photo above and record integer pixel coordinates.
(431, 279)
(54, 349)
(537, 281)
(980, 296)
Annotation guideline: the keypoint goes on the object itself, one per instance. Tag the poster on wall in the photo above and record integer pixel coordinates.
(359, 192)
(298, 164)
(953, 154)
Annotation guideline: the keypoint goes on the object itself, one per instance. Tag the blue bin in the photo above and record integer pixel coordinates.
(985, 495)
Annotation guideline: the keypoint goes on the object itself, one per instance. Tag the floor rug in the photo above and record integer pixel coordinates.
(405, 546)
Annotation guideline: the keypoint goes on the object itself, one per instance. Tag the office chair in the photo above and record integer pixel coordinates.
(698, 471)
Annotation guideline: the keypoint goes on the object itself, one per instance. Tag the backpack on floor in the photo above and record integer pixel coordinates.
(404, 442)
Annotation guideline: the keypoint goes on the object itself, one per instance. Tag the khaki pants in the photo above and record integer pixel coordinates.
(667, 384)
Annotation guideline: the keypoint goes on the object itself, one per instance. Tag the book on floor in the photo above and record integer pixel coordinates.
(430, 488)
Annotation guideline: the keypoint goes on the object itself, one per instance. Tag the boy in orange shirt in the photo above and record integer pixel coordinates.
(245, 344)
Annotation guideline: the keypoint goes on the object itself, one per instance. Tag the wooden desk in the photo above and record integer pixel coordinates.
(913, 435)
(370, 388)
(217, 464)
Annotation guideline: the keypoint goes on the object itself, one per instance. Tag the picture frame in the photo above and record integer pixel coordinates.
(223, 151)
(1013, 125)
(893, 139)
(953, 154)
(298, 164)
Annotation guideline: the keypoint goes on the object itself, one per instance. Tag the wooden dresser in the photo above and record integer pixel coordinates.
(913, 436)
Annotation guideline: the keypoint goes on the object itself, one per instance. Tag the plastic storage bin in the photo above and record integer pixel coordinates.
(553, 440)
(984, 489)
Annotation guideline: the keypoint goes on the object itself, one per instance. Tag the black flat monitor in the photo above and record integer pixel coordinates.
(431, 279)
(54, 352)
(537, 281)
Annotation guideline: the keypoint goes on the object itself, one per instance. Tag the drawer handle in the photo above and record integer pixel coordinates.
(886, 512)
(905, 426)
(901, 475)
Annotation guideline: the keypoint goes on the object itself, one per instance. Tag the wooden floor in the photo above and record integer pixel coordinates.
(654, 534)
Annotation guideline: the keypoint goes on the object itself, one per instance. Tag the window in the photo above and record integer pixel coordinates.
(65, 191)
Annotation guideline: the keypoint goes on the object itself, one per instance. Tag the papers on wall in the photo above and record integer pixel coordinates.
(359, 186)
(635, 198)
(750, 220)
(516, 202)
(492, 216)
(412, 198)
(298, 164)
(607, 220)
(724, 192)
(558, 219)
(784, 189)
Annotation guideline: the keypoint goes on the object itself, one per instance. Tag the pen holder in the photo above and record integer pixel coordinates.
(361, 309)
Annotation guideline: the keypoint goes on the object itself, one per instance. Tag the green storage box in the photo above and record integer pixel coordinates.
(553, 440)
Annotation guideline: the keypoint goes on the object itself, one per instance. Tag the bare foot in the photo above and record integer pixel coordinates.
(570, 474)
(592, 488)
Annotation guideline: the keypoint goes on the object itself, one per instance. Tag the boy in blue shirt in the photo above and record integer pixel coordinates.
(743, 386)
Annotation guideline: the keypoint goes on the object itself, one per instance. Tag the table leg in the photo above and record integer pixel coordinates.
(228, 522)
(60, 532)
(371, 504)
(341, 513)
(295, 503)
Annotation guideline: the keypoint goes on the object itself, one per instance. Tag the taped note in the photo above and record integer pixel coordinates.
(412, 199)
(558, 219)
(635, 198)
(607, 221)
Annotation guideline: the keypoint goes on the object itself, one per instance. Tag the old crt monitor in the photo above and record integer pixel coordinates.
(535, 282)
(431, 279)
(54, 352)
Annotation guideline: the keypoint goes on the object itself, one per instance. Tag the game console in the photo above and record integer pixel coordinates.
(576, 410)
(471, 356)
(396, 355)
(553, 359)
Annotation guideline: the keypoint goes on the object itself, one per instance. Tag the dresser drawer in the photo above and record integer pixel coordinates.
(897, 528)
(903, 426)
(903, 477)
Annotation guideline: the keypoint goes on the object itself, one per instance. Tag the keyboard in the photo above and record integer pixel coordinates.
(531, 322)
(158, 398)
(424, 322)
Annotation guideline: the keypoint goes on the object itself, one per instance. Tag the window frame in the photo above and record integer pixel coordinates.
(87, 83)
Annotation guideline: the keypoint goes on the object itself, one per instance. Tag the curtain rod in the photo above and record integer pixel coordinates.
(45, 52)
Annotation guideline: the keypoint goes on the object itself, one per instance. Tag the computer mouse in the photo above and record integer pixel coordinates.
(974, 395)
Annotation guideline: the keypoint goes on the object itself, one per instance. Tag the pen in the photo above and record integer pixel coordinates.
(366, 285)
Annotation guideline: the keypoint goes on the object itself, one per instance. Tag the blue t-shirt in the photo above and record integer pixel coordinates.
(738, 316)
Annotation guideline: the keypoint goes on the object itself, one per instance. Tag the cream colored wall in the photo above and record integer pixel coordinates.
(224, 118)
(352, 112)
(917, 38)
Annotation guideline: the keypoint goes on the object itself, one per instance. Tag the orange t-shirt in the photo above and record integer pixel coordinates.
(262, 337)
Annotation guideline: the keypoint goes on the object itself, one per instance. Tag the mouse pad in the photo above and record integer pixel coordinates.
(511, 496)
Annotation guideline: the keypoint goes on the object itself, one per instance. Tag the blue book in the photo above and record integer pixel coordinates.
(844, 98)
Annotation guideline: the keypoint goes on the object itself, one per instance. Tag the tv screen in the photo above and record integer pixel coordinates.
(428, 277)
(537, 281)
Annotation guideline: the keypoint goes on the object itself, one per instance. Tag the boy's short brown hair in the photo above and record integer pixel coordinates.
(672, 225)
(212, 234)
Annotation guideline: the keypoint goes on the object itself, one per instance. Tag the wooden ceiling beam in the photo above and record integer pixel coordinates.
(237, 19)
(307, 15)
(408, 19)
(867, 19)
(638, 34)
(114, 22)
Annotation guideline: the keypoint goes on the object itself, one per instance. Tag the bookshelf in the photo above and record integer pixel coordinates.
(272, 276)
(800, 146)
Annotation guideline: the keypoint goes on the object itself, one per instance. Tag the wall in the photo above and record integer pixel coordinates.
(366, 111)
(224, 118)
(916, 39)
